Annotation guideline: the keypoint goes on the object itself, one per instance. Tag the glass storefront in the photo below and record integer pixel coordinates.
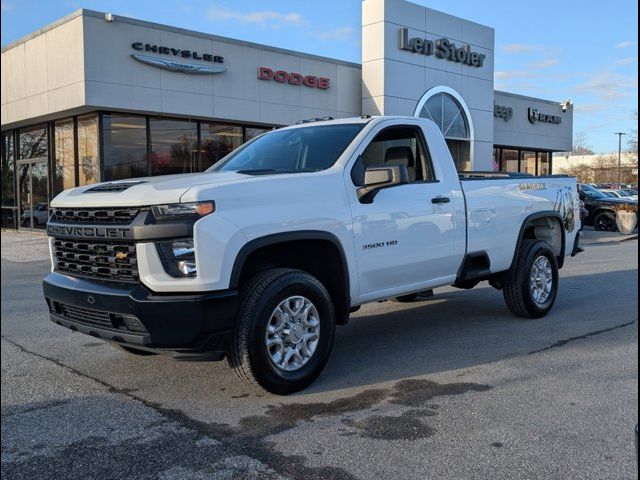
(173, 146)
(88, 151)
(9, 206)
(64, 169)
(544, 163)
(534, 162)
(528, 162)
(509, 160)
(124, 143)
(33, 143)
(252, 132)
(217, 141)
(136, 146)
(33, 177)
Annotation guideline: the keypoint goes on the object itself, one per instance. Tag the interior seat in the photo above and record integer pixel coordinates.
(401, 155)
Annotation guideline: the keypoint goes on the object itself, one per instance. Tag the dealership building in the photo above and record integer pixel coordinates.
(97, 97)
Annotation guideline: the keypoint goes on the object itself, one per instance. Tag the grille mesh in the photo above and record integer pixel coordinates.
(86, 315)
(113, 216)
(98, 318)
(112, 261)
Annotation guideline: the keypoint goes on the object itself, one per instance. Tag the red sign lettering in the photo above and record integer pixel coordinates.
(292, 78)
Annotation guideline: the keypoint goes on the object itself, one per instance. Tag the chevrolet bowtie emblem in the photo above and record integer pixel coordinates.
(121, 255)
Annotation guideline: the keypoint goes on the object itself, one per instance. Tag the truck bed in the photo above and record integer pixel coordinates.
(499, 203)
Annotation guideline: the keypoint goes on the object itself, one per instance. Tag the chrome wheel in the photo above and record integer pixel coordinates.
(292, 333)
(541, 279)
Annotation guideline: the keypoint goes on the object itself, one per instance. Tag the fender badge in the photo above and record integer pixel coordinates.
(91, 300)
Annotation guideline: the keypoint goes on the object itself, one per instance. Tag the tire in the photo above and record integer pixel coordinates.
(260, 300)
(522, 297)
(135, 351)
(605, 222)
(412, 297)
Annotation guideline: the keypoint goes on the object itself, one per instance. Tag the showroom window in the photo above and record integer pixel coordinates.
(528, 162)
(218, 140)
(173, 146)
(252, 132)
(509, 160)
(64, 169)
(9, 210)
(33, 143)
(125, 146)
(544, 163)
(534, 162)
(88, 151)
(444, 107)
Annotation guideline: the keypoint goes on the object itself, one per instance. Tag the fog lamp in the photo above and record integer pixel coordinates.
(178, 257)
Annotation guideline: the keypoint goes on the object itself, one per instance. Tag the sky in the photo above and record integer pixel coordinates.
(583, 50)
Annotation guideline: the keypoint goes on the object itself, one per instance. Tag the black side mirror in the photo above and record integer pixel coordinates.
(377, 178)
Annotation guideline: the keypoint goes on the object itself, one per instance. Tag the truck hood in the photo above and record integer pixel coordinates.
(142, 191)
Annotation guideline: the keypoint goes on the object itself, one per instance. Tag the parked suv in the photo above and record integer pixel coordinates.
(600, 207)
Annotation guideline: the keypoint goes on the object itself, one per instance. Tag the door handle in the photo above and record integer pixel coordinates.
(437, 200)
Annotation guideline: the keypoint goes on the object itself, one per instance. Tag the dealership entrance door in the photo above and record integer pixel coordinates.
(33, 194)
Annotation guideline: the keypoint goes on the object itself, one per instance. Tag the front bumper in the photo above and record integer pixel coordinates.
(186, 326)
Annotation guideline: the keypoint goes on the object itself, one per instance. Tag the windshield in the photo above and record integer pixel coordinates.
(307, 149)
(593, 192)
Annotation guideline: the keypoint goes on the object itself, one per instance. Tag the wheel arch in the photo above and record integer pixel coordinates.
(291, 250)
(533, 227)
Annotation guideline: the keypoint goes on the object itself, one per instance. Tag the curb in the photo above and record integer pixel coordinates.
(612, 240)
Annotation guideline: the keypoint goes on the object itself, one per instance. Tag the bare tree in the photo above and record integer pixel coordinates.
(580, 145)
(584, 173)
(632, 136)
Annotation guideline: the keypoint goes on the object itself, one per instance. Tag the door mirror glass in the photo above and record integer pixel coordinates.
(379, 177)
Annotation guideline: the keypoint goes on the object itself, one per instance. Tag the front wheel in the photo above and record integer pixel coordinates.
(534, 285)
(284, 332)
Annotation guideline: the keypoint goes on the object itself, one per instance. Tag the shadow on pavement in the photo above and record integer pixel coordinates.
(461, 329)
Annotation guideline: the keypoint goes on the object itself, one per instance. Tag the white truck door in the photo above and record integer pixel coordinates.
(410, 236)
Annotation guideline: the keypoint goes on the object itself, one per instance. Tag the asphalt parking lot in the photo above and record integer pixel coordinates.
(454, 387)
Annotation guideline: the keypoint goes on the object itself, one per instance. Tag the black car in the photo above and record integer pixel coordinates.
(600, 208)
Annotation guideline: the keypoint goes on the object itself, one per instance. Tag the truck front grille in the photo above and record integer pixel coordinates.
(105, 260)
(91, 216)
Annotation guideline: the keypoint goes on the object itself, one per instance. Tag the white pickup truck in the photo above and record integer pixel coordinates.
(260, 257)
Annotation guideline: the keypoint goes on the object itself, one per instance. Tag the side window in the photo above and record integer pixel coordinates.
(400, 146)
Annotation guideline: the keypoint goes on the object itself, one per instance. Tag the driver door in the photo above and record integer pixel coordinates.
(405, 237)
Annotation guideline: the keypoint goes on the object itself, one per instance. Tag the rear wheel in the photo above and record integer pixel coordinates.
(534, 287)
(284, 332)
(605, 222)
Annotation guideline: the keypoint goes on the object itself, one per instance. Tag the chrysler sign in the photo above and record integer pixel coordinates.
(172, 65)
(442, 48)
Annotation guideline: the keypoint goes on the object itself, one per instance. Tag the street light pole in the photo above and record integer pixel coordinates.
(620, 134)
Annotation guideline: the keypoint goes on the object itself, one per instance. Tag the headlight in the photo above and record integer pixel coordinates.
(178, 257)
(179, 211)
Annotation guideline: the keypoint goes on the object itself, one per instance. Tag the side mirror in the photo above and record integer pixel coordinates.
(377, 178)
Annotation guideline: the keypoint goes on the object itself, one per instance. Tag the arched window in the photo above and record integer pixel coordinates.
(445, 108)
